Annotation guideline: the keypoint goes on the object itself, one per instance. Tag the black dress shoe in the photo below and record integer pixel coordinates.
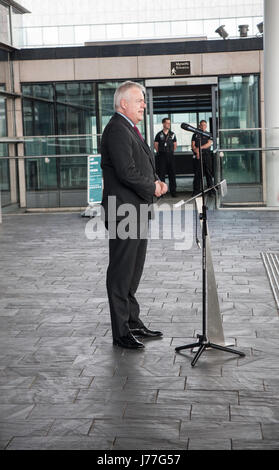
(129, 342)
(143, 331)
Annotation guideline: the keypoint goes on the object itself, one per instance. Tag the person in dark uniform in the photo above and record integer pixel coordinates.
(206, 158)
(165, 144)
(130, 180)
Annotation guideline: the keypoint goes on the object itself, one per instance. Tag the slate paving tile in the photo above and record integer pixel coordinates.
(162, 383)
(15, 382)
(271, 384)
(220, 430)
(255, 445)
(160, 345)
(16, 396)
(50, 370)
(256, 413)
(247, 398)
(93, 360)
(239, 374)
(209, 444)
(89, 331)
(64, 341)
(40, 382)
(224, 383)
(115, 396)
(156, 411)
(61, 443)
(17, 427)
(44, 358)
(126, 443)
(70, 427)
(177, 330)
(48, 331)
(211, 412)
(10, 359)
(4, 443)
(271, 431)
(15, 411)
(149, 370)
(77, 410)
(108, 383)
(192, 397)
(39, 395)
(139, 428)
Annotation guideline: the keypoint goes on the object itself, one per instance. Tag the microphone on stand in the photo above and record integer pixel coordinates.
(187, 127)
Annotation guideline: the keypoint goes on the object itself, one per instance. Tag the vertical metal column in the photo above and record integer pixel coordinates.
(150, 112)
(271, 98)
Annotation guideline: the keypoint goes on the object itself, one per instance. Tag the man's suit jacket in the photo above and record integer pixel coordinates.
(128, 166)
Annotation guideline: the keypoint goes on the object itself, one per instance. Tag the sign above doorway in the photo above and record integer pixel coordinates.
(180, 67)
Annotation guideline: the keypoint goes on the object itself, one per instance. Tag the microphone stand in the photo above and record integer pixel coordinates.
(203, 342)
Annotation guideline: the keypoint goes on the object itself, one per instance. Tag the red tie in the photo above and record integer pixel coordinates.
(138, 132)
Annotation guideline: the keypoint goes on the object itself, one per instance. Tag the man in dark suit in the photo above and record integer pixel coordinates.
(130, 182)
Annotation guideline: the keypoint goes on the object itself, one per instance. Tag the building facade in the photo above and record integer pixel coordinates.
(55, 102)
(74, 22)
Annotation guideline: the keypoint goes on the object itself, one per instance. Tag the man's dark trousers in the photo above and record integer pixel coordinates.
(166, 165)
(126, 262)
(207, 172)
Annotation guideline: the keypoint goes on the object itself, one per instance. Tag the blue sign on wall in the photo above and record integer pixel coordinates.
(94, 179)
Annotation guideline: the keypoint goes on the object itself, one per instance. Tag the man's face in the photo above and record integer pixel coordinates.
(203, 126)
(167, 124)
(133, 105)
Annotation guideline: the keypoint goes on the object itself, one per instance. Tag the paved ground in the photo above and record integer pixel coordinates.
(64, 386)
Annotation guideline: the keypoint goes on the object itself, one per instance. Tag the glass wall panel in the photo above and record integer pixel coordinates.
(5, 35)
(41, 174)
(66, 35)
(4, 173)
(73, 173)
(241, 167)
(105, 94)
(50, 36)
(67, 110)
(4, 163)
(238, 128)
(34, 37)
(3, 125)
(39, 90)
(38, 121)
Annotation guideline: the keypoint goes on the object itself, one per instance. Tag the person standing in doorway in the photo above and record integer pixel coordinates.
(165, 144)
(206, 158)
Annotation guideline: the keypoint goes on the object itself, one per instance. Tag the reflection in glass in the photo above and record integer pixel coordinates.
(239, 110)
(40, 174)
(106, 93)
(66, 124)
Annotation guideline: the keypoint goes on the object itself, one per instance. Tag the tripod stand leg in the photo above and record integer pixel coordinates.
(187, 346)
(223, 348)
(198, 354)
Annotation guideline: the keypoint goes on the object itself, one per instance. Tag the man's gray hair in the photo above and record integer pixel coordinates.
(123, 90)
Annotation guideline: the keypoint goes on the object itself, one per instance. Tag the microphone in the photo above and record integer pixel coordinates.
(187, 127)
